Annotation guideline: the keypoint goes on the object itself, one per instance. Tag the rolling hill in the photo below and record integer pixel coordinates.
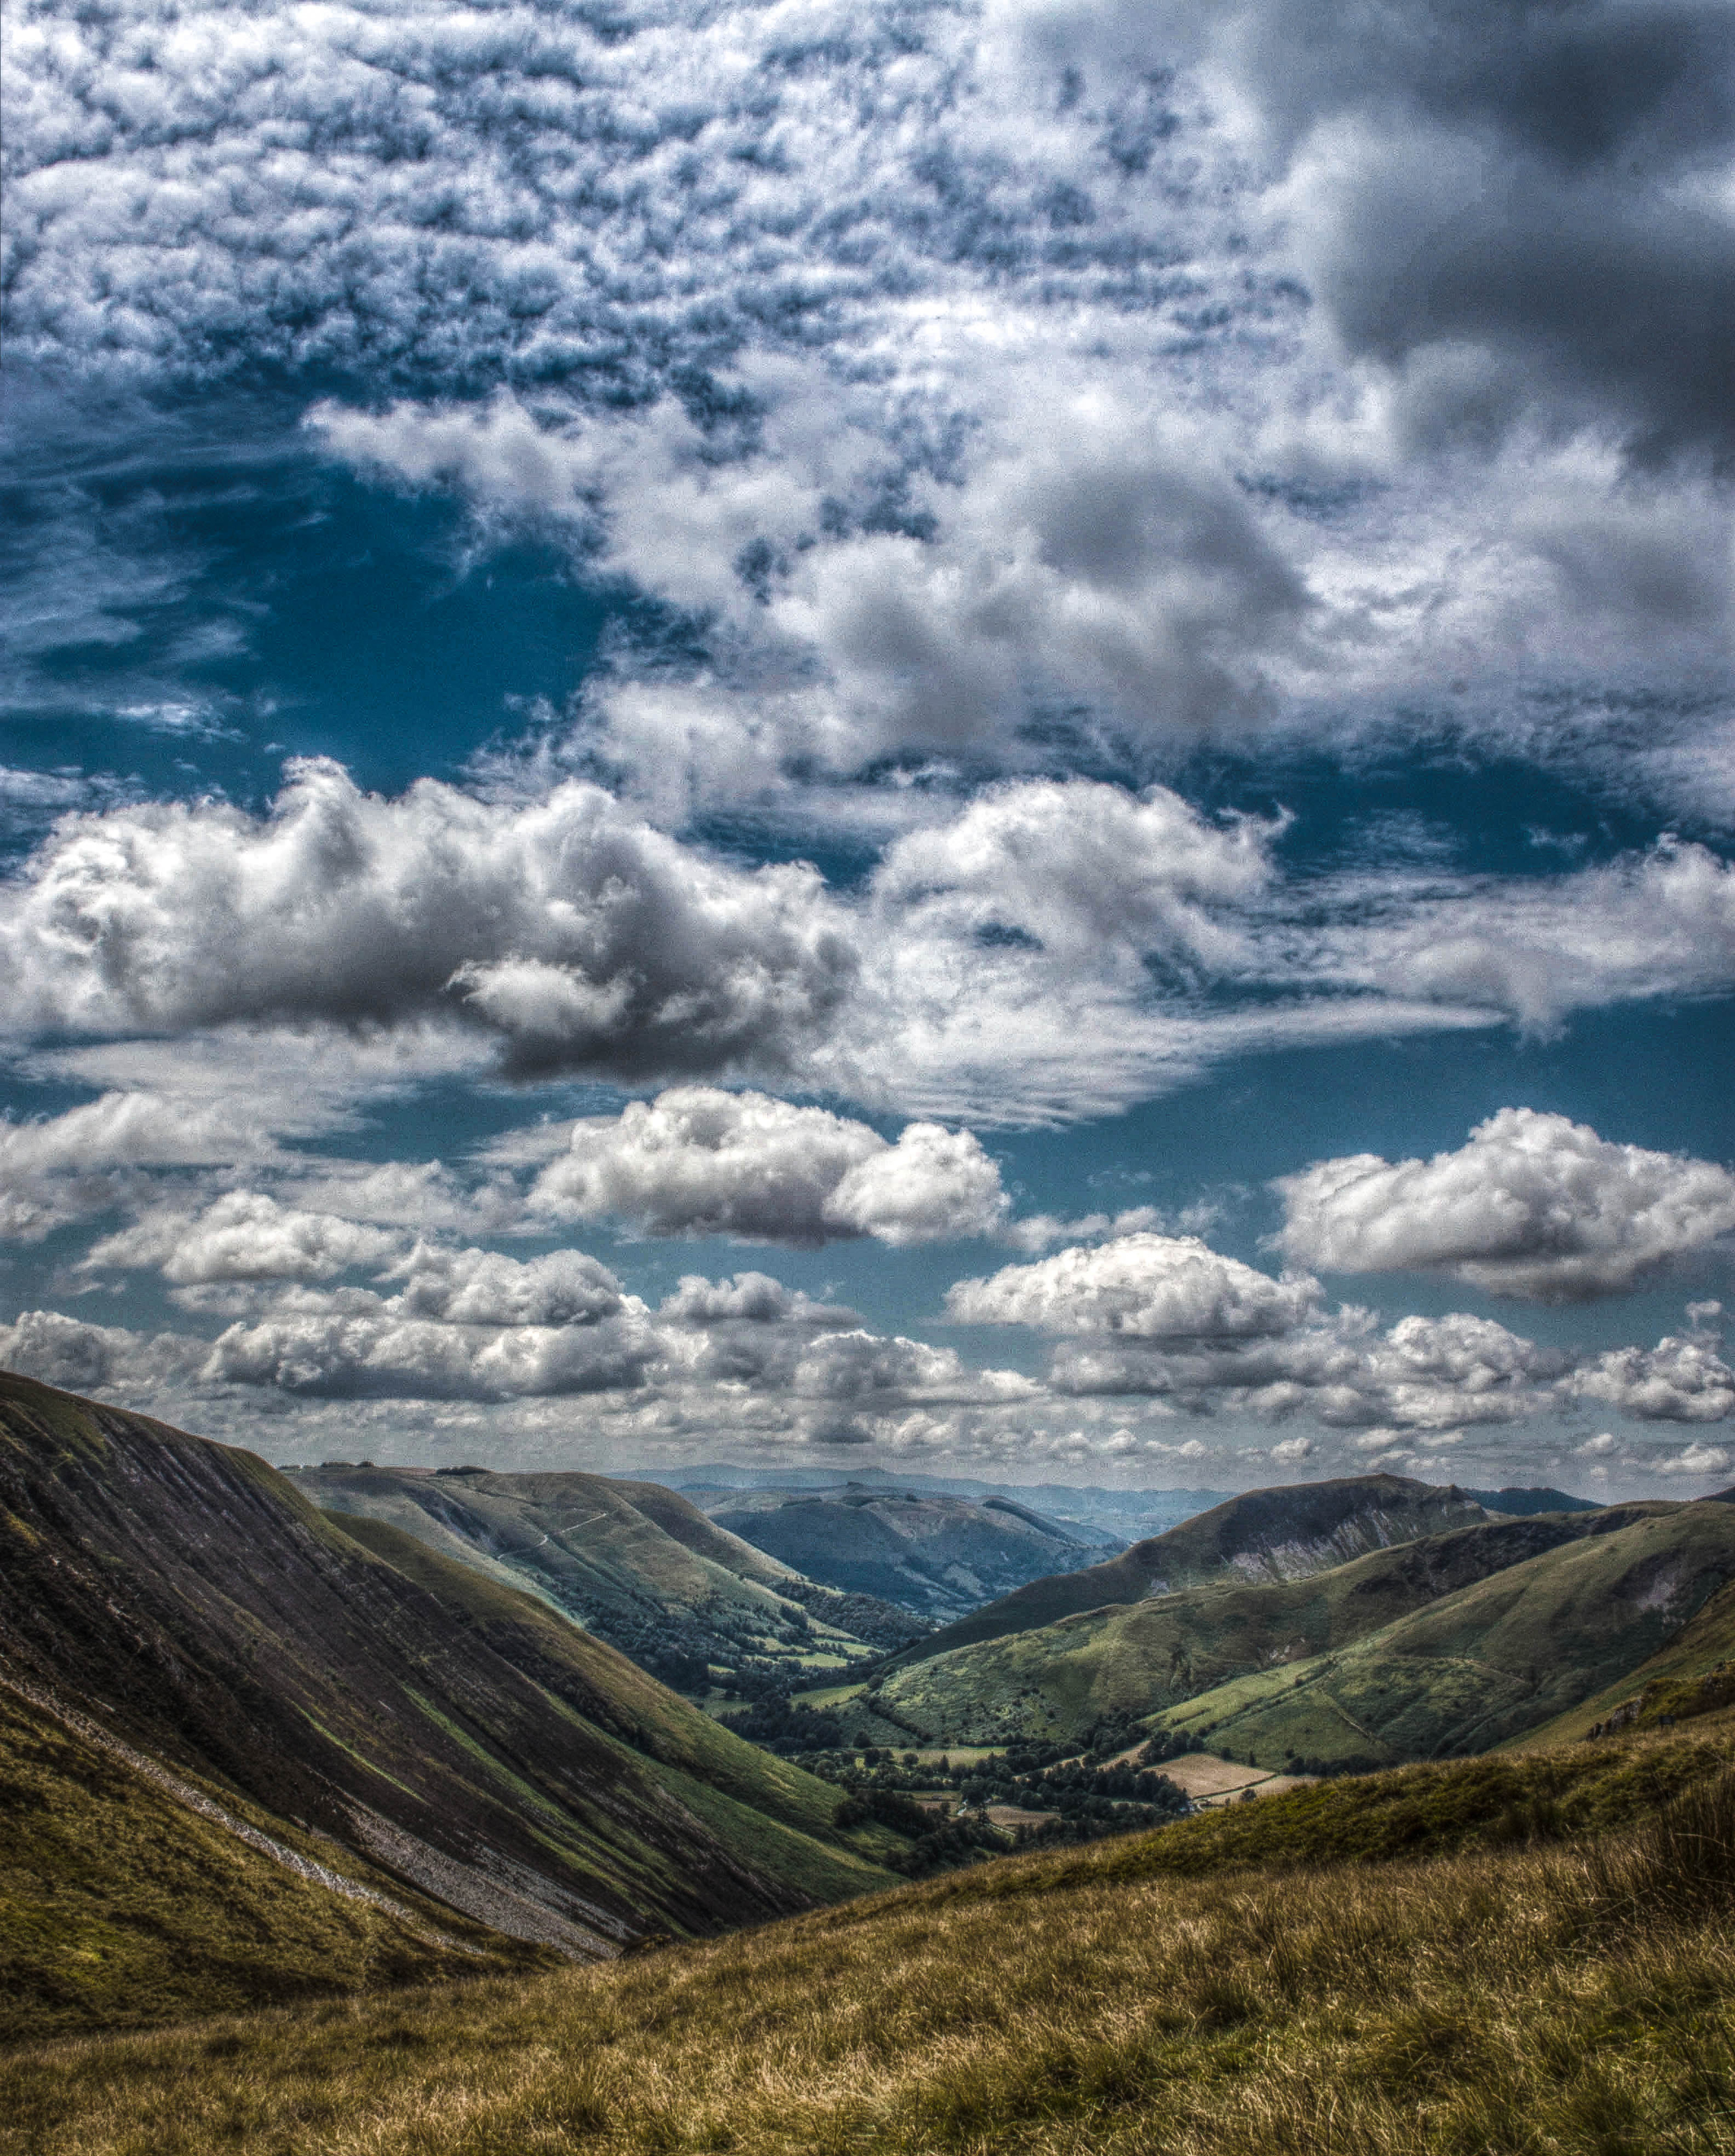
(637, 1564)
(1127, 1661)
(931, 1553)
(1278, 1534)
(179, 1611)
(1499, 1661)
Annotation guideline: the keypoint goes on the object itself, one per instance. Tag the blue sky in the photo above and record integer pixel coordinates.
(995, 738)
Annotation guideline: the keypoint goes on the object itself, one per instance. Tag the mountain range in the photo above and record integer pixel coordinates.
(934, 1553)
(301, 1724)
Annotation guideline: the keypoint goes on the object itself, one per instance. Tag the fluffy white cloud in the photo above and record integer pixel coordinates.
(699, 1161)
(379, 1353)
(465, 1324)
(578, 936)
(1533, 1205)
(1683, 1379)
(1143, 1286)
(1698, 1460)
(483, 1287)
(244, 1235)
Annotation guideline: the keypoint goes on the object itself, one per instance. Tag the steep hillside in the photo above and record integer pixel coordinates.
(1487, 1665)
(193, 1607)
(1409, 1966)
(635, 1563)
(130, 1896)
(1694, 1674)
(1129, 1660)
(931, 1553)
(1283, 1533)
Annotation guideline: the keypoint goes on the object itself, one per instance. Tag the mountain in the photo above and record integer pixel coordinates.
(1499, 1661)
(182, 1612)
(932, 1553)
(1108, 1666)
(1519, 1503)
(1283, 1533)
(1125, 1515)
(635, 1563)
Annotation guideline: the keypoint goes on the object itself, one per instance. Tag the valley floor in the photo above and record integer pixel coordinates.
(1556, 1977)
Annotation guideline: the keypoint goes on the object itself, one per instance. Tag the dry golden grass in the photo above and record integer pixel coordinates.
(1542, 2000)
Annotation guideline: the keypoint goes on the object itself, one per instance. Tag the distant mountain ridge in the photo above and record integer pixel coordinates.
(1128, 1514)
(423, 1722)
(931, 1553)
(1284, 1532)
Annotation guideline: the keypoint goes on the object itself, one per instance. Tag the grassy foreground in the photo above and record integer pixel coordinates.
(1564, 1996)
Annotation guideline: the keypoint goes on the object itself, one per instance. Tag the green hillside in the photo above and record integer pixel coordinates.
(182, 1601)
(1485, 1665)
(1288, 1532)
(635, 1563)
(1060, 1682)
(1694, 1674)
(121, 1905)
(1526, 1956)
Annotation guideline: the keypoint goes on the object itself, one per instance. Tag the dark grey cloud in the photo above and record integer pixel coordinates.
(1545, 185)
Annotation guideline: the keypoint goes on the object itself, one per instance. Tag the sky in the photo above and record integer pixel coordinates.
(986, 739)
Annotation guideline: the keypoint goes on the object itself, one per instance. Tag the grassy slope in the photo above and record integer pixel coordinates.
(1283, 1533)
(760, 1800)
(121, 1906)
(242, 1636)
(1483, 1667)
(1059, 1681)
(1669, 1682)
(1568, 1999)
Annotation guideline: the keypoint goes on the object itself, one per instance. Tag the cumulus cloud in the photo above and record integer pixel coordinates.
(579, 939)
(1145, 1286)
(56, 1170)
(1698, 1461)
(699, 1161)
(465, 1324)
(1533, 1205)
(244, 1235)
(1683, 1379)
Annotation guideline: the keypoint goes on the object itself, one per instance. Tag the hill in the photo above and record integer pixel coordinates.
(1076, 1679)
(635, 1563)
(932, 1553)
(1485, 1665)
(1283, 1533)
(1509, 1955)
(182, 1602)
(1519, 1503)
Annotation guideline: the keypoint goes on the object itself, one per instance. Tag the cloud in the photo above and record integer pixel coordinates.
(244, 1235)
(75, 1166)
(577, 936)
(1533, 1205)
(1683, 1379)
(379, 1354)
(697, 1160)
(1697, 1460)
(465, 1324)
(1142, 1287)
(1454, 201)
(1434, 1374)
